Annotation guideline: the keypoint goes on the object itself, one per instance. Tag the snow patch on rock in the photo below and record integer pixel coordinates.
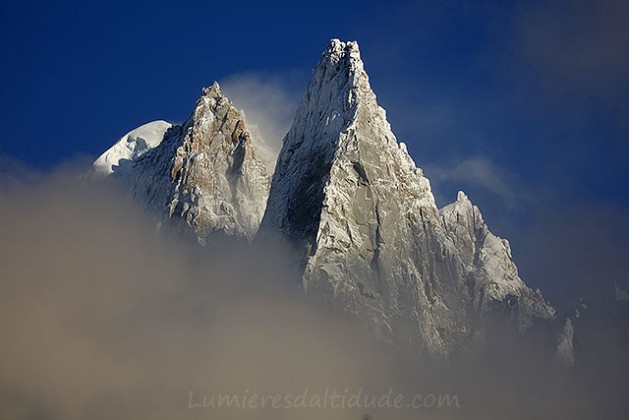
(131, 146)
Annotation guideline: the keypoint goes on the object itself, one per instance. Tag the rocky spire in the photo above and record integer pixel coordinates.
(204, 177)
(364, 224)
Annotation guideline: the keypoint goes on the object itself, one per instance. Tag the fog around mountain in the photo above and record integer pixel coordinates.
(101, 317)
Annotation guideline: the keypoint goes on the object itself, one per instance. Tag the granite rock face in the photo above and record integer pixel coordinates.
(365, 228)
(490, 269)
(203, 177)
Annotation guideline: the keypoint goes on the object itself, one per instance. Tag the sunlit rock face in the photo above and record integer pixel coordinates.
(203, 176)
(365, 228)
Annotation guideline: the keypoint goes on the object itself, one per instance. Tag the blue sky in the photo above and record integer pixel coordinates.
(521, 104)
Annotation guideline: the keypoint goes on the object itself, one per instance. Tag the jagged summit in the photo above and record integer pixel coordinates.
(214, 90)
(338, 47)
(338, 50)
(338, 104)
(495, 274)
(461, 197)
(204, 176)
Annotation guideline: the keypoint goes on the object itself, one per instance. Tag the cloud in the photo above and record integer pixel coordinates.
(477, 171)
(101, 317)
(14, 171)
(268, 104)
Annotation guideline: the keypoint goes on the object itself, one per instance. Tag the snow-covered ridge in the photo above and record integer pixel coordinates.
(131, 146)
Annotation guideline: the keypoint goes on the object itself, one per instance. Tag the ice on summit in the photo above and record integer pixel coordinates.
(131, 146)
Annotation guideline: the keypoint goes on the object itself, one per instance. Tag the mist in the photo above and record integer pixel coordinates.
(102, 316)
(478, 171)
(268, 106)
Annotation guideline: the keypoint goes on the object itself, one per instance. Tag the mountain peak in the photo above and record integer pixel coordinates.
(461, 197)
(213, 91)
(342, 65)
(337, 49)
(365, 228)
(338, 113)
(204, 177)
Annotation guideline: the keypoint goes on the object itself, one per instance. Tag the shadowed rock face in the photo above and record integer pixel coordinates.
(367, 232)
(203, 177)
